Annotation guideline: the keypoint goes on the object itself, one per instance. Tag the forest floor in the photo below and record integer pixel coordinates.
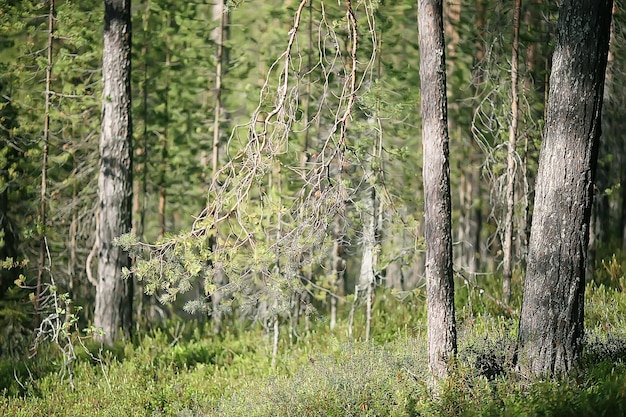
(182, 370)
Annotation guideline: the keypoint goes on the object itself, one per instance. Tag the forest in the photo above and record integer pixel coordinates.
(312, 207)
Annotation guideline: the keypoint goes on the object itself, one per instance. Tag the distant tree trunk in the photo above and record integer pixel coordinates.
(551, 324)
(219, 36)
(140, 163)
(72, 262)
(436, 174)
(337, 269)
(44, 166)
(472, 209)
(507, 245)
(165, 135)
(366, 276)
(113, 310)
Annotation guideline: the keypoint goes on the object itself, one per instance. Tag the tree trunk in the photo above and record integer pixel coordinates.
(507, 245)
(219, 36)
(113, 310)
(436, 174)
(551, 324)
(43, 246)
(366, 276)
(164, 168)
(337, 270)
(140, 163)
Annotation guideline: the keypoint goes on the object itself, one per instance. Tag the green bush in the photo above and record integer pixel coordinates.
(357, 380)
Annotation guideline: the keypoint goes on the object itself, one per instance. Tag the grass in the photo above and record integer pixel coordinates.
(188, 372)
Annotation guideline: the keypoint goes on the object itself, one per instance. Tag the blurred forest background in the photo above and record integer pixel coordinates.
(205, 79)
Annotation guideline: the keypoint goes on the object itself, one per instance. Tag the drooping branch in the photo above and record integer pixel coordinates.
(243, 214)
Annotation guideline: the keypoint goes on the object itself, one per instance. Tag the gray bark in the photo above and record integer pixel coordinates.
(436, 176)
(114, 294)
(507, 245)
(551, 324)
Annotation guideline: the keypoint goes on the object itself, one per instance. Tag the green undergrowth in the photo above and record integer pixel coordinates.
(183, 370)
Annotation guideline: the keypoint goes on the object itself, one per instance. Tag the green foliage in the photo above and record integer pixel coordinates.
(610, 272)
(267, 222)
(357, 380)
(181, 370)
(602, 307)
(16, 313)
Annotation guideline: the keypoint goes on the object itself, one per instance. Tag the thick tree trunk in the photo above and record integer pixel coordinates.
(114, 295)
(436, 173)
(551, 325)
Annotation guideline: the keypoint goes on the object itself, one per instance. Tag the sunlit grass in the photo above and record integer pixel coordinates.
(178, 371)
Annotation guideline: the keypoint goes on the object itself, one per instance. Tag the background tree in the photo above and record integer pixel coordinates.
(551, 324)
(507, 244)
(113, 309)
(43, 200)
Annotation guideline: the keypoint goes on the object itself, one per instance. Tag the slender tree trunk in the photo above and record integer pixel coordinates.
(141, 150)
(275, 339)
(302, 297)
(44, 166)
(473, 209)
(507, 245)
(219, 37)
(366, 276)
(72, 261)
(551, 324)
(436, 174)
(140, 164)
(338, 269)
(165, 138)
(113, 312)
(474, 219)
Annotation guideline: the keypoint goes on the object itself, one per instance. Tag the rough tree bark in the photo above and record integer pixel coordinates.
(551, 324)
(113, 312)
(436, 176)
